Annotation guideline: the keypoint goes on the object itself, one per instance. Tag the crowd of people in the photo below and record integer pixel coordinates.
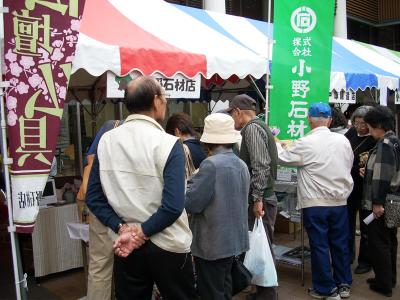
(172, 209)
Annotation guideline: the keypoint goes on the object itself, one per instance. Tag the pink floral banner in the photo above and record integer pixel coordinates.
(39, 45)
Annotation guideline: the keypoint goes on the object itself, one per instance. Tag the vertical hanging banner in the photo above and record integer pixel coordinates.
(39, 45)
(301, 64)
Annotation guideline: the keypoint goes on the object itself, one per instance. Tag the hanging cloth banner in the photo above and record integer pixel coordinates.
(302, 62)
(39, 45)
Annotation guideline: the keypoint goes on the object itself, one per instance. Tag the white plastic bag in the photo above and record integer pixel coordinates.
(258, 259)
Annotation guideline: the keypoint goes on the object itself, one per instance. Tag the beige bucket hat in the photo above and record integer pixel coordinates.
(219, 129)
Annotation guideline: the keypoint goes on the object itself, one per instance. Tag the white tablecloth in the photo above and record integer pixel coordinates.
(53, 249)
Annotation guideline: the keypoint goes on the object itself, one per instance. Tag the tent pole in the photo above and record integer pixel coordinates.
(253, 83)
(120, 109)
(11, 228)
(79, 137)
(19, 279)
(267, 86)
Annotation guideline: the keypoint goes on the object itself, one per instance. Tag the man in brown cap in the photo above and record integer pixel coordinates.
(258, 151)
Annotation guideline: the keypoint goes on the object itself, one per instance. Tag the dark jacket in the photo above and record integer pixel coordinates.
(359, 145)
(196, 150)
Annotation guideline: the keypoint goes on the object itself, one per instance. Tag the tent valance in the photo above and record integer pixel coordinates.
(357, 66)
(154, 36)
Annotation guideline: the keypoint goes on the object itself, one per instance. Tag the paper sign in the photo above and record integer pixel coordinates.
(342, 97)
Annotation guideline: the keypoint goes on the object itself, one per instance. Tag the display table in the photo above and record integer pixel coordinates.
(53, 250)
(80, 231)
(282, 253)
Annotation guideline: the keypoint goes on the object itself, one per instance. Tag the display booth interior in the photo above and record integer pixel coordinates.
(214, 57)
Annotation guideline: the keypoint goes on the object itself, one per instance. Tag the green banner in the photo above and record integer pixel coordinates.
(301, 62)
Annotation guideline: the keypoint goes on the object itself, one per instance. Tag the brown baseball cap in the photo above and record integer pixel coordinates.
(243, 102)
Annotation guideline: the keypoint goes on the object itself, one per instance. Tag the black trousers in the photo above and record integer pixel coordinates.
(136, 274)
(214, 279)
(353, 206)
(383, 250)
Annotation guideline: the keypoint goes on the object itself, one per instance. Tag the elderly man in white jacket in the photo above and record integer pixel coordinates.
(324, 160)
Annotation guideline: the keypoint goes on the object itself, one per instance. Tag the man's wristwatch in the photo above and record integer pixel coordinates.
(122, 227)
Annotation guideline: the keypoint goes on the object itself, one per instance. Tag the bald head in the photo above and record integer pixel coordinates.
(140, 94)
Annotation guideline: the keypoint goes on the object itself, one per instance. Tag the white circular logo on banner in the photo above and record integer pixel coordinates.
(303, 19)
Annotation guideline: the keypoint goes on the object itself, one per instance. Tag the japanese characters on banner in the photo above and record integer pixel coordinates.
(302, 62)
(39, 45)
(342, 97)
(177, 87)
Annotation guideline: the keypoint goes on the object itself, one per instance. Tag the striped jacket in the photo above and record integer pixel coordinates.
(258, 151)
(382, 173)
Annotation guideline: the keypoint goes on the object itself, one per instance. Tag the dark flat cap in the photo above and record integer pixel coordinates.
(243, 102)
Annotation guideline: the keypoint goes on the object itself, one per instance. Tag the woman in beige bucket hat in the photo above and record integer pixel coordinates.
(217, 200)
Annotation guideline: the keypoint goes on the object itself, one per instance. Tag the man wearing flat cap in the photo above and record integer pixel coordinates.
(258, 151)
(324, 160)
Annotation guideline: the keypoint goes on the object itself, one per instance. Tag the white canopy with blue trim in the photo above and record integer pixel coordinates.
(354, 65)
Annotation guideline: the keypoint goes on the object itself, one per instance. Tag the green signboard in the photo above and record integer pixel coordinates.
(301, 62)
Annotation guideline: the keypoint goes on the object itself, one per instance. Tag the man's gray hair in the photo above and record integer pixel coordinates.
(360, 112)
(320, 121)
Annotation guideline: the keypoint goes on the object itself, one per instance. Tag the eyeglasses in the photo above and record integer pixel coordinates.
(164, 95)
(360, 124)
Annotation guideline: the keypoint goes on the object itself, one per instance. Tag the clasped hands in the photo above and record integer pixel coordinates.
(129, 239)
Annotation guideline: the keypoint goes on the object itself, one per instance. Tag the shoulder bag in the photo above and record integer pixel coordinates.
(189, 166)
(392, 211)
(241, 277)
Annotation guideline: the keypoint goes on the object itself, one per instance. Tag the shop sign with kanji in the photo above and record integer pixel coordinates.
(39, 45)
(342, 97)
(176, 87)
(302, 62)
